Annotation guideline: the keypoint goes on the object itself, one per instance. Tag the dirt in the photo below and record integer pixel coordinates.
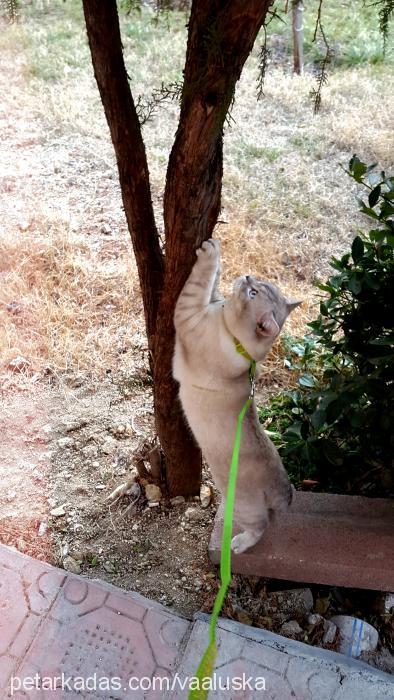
(68, 444)
(61, 447)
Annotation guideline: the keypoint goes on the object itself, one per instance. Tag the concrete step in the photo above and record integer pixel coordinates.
(323, 538)
(274, 668)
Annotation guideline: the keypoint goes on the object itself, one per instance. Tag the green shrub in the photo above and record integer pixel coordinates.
(337, 425)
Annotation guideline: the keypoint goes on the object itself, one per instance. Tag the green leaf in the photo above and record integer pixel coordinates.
(377, 234)
(354, 284)
(318, 418)
(294, 429)
(386, 210)
(307, 380)
(357, 168)
(357, 249)
(374, 196)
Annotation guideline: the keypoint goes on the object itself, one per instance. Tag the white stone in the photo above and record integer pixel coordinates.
(58, 511)
(205, 495)
(291, 628)
(355, 635)
(314, 619)
(330, 631)
(65, 442)
(193, 515)
(153, 492)
(177, 500)
(71, 565)
(108, 446)
(388, 602)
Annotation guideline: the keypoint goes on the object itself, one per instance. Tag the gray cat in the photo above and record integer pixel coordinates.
(214, 384)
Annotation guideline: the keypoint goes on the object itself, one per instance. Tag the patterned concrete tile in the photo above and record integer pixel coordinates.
(97, 640)
(276, 668)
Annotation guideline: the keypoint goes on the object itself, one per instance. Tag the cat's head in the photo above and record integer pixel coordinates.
(255, 314)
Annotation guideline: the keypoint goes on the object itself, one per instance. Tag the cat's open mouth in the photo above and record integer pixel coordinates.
(267, 327)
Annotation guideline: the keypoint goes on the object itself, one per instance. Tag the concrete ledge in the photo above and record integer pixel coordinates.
(324, 538)
(290, 670)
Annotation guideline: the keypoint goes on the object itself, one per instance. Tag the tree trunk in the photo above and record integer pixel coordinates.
(220, 38)
(298, 36)
(105, 43)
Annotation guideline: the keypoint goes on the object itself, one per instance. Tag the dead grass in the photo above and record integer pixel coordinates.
(65, 306)
(287, 204)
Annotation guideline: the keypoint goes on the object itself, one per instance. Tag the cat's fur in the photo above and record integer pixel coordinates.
(214, 384)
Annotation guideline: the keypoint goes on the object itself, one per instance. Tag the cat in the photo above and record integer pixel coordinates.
(214, 384)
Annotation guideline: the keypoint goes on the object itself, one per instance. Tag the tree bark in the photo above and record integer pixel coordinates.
(220, 38)
(102, 24)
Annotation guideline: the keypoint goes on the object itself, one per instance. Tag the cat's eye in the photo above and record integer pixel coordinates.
(252, 293)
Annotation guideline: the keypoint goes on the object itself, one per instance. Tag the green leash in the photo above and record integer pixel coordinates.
(207, 663)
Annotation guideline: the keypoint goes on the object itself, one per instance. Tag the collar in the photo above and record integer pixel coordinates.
(252, 367)
(241, 350)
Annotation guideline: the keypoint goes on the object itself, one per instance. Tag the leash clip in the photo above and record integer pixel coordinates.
(252, 378)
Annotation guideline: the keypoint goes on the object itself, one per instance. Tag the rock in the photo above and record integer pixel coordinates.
(330, 632)
(205, 495)
(153, 504)
(291, 629)
(177, 500)
(388, 603)
(193, 515)
(355, 635)
(314, 619)
(42, 528)
(153, 492)
(21, 544)
(106, 229)
(71, 565)
(66, 442)
(108, 446)
(74, 424)
(18, 364)
(241, 615)
(58, 512)
(100, 487)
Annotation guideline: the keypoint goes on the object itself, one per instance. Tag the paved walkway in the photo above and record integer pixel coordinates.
(103, 643)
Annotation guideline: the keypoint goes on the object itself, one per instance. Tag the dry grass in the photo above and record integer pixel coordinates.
(65, 306)
(287, 204)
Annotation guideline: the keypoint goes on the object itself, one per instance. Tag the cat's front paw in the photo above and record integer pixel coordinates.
(240, 543)
(209, 252)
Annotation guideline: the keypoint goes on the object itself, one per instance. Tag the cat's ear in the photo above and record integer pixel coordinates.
(291, 304)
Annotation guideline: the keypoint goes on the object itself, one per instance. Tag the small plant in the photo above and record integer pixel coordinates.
(337, 426)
